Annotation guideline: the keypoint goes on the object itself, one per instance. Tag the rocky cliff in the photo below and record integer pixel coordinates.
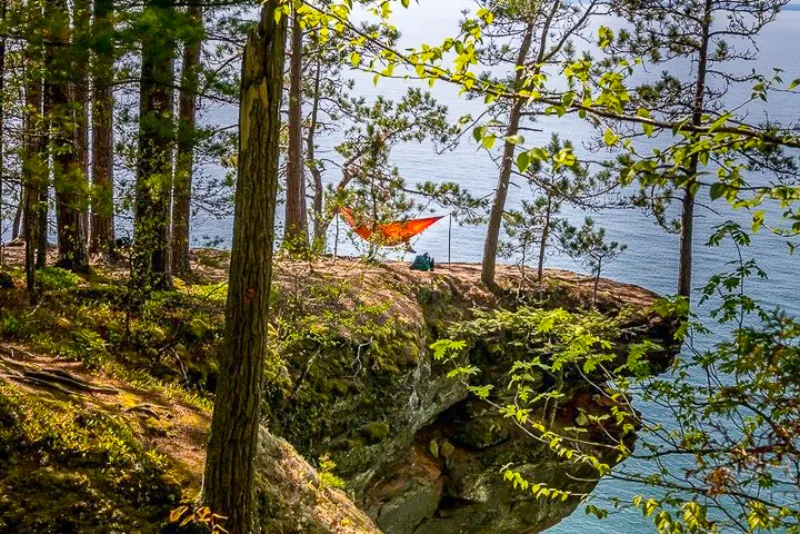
(420, 454)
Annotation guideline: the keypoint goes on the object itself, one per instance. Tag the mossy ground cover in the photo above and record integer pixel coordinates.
(81, 461)
(69, 467)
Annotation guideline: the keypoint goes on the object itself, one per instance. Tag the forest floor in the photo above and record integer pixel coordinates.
(104, 412)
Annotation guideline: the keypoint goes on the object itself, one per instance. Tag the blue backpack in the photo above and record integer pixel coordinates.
(423, 263)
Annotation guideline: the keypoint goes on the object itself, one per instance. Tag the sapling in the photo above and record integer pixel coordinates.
(588, 246)
(553, 185)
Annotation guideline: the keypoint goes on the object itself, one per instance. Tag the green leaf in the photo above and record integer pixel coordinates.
(523, 161)
(758, 220)
(488, 141)
(717, 190)
(609, 137)
(646, 127)
(794, 84)
(515, 139)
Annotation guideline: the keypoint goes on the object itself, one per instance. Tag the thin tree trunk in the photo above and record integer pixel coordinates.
(3, 12)
(151, 243)
(16, 225)
(43, 206)
(68, 179)
(320, 228)
(296, 227)
(229, 474)
(687, 211)
(187, 120)
(545, 236)
(102, 234)
(498, 206)
(597, 280)
(29, 233)
(80, 97)
(32, 166)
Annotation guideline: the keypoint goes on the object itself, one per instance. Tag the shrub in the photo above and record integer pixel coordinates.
(55, 278)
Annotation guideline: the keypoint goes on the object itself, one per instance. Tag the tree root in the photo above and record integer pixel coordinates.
(52, 378)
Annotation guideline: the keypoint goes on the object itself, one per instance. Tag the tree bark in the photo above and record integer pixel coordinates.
(545, 236)
(498, 206)
(151, 240)
(43, 206)
(32, 180)
(68, 178)
(296, 227)
(597, 280)
(687, 211)
(16, 224)
(102, 217)
(187, 121)
(320, 228)
(80, 96)
(3, 12)
(229, 476)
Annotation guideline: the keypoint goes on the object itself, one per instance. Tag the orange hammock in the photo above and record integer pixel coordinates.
(390, 234)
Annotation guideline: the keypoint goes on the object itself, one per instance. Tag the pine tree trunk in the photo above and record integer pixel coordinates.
(296, 227)
(187, 120)
(68, 179)
(16, 224)
(151, 240)
(102, 218)
(80, 96)
(596, 280)
(229, 477)
(43, 205)
(545, 236)
(687, 211)
(498, 206)
(3, 12)
(32, 179)
(320, 228)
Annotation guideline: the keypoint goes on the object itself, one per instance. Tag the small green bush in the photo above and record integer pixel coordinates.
(55, 278)
(10, 325)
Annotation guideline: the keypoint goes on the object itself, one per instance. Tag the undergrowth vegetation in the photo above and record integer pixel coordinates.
(67, 468)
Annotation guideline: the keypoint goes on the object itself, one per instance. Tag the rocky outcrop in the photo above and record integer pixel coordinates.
(420, 454)
(294, 498)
